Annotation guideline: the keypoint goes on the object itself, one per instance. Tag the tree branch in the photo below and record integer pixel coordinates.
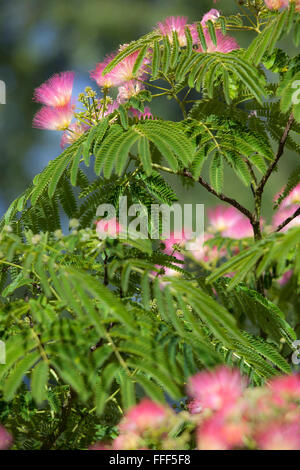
(288, 220)
(222, 196)
(279, 154)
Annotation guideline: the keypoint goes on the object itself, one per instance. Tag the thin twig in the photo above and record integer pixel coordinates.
(221, 196)
(279, 154)
(288, 220)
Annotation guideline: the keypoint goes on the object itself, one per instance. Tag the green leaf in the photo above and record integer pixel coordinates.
(155, 59)
(39, 380)
(17, 374)
(145, 155)
(140, 59)
(75, 166)
(216, 173)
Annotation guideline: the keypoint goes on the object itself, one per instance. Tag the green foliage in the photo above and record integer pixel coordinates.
(91, 325)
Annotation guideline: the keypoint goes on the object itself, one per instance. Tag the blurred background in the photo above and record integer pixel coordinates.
(39, 38)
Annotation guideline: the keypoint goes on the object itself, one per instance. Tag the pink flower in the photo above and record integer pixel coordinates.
(292, 198)
(106, 80)
(225, 44)
(179, 239)
(229, 222)
(178, 24)
(207, 253)
(285, 388)
(176, 238)
(221, 433)
(56, 119)
(57, 91)
(111, 107)
(5, 439)
(146, 415)
(73, 133)
(276, 4)
(120, 74)
(242, 229)
(212, 15)
(147, 114)
(216, 390)
(129, 89)
(285, 278)
(127, 441)
(108, 228)
(222, 218)
(283, 214)
(279, 436)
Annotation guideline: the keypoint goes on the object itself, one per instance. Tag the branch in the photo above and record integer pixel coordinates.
(221, 196)
(287, 221)
(279, 154)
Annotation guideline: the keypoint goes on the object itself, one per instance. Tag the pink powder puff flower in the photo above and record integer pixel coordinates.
(216, 390)
(127, 441)
(174, 23)
(286, 278)
(283, 214)
(179, 239)
(107, 80)
(73, 133)
(220, 432)
(5, 439)
(120, 74)
(212, 15)
(285, 388)
(129, 89)
(225, 44)
(145, 416)
(57, 91)
(297, 2)
(277, 4)
(222, 218)
(229, 222)
(279, 436)
(207, 253)
(108, 228)
(242, 229)
(176, 239)
(292, 198)
(147, 114)
(55, 119)
(178, 24)
(110, 108)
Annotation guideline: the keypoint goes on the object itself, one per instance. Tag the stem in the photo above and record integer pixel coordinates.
(203, 183)
(279, 154)
(10, 264)
(260, 188)
(63, 424)
(105, 269)
(288, 220)
(222, 196)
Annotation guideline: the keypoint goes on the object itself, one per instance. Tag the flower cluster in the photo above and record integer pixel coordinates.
(287, 209)
(173, 24)
(222, 221)
(59, 111)
(225, 221)
(55, 95)
(223, 414)
(281, 4)
(5, 439)
(145, 426)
